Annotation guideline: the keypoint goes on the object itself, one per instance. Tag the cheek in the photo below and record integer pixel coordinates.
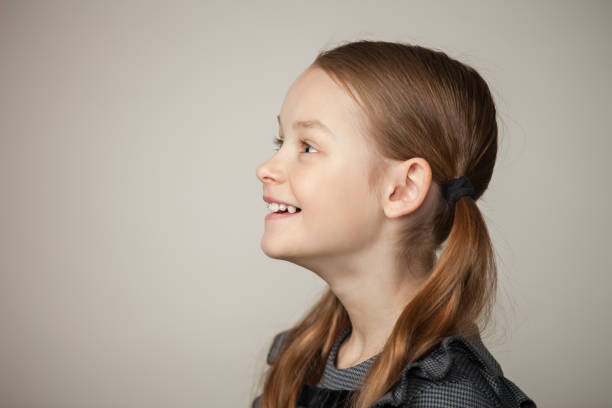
(339, 205)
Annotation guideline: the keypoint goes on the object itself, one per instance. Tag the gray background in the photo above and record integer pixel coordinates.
(130, 216)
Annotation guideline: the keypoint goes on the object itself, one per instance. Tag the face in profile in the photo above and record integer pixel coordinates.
(322, 167)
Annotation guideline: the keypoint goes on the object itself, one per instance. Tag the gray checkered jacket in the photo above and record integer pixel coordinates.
(456, 374)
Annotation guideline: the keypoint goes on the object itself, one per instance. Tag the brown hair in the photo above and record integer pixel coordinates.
(417, 102)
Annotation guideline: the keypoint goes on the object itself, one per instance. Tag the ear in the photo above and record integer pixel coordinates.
(408, 187)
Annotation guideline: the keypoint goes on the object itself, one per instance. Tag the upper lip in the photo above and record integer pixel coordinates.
(269, 199)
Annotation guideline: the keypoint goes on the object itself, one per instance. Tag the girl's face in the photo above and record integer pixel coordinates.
(322, 169)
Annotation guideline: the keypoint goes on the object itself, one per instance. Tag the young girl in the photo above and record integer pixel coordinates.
(384, 149)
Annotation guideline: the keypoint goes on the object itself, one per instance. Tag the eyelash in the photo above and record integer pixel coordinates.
(279, 142)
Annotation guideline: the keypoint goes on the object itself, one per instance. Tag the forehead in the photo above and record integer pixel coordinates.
(315, 95)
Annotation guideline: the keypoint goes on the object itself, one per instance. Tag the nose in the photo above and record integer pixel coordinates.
(268, 172)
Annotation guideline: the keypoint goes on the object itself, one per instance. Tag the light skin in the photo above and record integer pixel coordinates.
(345, 231)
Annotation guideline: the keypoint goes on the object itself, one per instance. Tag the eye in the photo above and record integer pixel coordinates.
(279, 143)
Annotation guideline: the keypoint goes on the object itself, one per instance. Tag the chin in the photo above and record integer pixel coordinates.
(272, 250)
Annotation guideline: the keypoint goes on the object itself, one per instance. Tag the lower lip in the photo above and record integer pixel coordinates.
(276, 216)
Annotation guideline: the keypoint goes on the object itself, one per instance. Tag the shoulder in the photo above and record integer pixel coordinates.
(456, 393)
(276, 346)
(457, 373)
(462, 393)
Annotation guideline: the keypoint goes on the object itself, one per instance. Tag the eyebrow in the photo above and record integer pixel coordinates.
(308, 124)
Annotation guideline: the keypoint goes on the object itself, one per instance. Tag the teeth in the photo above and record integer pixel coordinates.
(275, 207)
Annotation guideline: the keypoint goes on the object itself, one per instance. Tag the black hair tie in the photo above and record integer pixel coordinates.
(454, 189)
